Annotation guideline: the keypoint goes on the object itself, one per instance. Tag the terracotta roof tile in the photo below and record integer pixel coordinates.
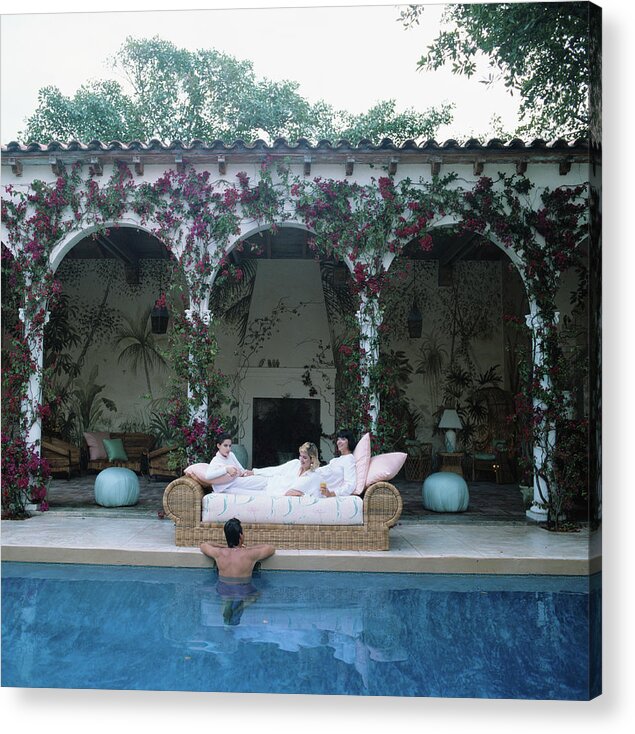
(279, 144)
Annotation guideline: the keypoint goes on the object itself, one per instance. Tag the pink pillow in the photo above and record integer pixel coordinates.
(362, 461)
(95, 442)
(384, 467)
(199, 472)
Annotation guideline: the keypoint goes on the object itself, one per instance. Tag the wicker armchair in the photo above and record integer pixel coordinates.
(490, 443)
(61, 456)
(419, 461)
(158, 464)
(485, 452)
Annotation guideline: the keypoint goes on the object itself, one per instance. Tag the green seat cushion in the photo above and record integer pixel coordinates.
(481, 457)
(115, 450)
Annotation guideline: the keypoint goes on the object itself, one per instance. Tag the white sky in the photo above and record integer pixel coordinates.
(350, 56)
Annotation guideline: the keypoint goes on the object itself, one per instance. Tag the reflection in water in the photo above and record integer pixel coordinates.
(323, 633)
(237, 597)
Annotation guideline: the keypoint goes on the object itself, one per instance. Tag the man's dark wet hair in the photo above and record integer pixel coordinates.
(223, 437)
(233, 530)
(345, 433)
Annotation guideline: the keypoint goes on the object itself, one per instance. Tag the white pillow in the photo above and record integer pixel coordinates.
(361, 455)
(384, 467)
(203, 474)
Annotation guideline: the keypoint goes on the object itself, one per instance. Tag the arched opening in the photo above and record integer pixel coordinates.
(104, 366)
(278, 328)
(465, 354)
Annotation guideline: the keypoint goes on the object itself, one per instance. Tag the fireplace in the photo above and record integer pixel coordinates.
(281, 425)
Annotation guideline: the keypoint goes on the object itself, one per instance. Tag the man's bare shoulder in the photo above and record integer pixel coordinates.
(253, 553)
(212, 550)
(259, 552)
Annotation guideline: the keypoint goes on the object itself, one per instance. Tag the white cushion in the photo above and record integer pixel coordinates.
(220, 507)
(384, 467)
(203, 474)
(362, 462)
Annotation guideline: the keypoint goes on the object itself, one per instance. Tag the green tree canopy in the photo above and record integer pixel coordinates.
(550, 53)
(176, 94)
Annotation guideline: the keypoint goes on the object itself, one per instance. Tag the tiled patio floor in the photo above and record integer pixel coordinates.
(484, 548)
(489, 502)
(492, 537)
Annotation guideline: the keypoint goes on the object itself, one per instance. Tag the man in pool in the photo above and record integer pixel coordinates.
(235, 565)
(236, 562)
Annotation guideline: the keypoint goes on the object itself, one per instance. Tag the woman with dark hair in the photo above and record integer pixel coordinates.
(227, 475)
(350, 439)
(339, 474)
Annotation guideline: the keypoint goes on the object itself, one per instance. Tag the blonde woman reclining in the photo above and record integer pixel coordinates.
(296, 477)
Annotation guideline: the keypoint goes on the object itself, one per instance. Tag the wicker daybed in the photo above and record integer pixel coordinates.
(382, 505)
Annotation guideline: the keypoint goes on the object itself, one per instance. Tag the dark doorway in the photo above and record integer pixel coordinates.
(281, 425)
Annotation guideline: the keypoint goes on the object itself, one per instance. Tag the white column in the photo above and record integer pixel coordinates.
(542, 449)
(369, 318)
(199, 412)
(34, 336)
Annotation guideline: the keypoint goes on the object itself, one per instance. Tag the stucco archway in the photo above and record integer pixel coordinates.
(459, 290)
(277, 329)
(104, 365)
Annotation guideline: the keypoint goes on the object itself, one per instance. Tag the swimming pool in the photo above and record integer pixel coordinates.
(377, 634)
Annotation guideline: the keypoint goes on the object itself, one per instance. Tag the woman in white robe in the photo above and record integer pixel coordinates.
(294, 478)
(339, 474)
(227, 475)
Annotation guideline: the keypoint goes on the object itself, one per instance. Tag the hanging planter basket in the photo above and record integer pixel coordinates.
(159, 317)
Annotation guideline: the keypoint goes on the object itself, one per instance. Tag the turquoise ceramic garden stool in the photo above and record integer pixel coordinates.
(445, 491)
(116, 487)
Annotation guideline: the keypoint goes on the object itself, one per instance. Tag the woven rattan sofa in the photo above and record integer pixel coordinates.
(382, 505)
(136, 446)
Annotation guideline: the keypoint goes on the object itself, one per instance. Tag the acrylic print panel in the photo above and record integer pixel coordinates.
(377, 277)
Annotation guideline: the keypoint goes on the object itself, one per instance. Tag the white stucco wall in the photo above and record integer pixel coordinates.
(293, 344)
(298, 280)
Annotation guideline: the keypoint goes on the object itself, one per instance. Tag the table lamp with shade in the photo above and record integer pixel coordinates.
(450, 422)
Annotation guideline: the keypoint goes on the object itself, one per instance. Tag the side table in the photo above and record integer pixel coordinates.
(451, 462)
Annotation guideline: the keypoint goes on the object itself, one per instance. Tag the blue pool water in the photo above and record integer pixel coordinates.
(76, 626)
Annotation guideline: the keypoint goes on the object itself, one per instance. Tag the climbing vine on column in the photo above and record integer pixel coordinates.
(546, 238)
(193, 216)
(197, 218)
